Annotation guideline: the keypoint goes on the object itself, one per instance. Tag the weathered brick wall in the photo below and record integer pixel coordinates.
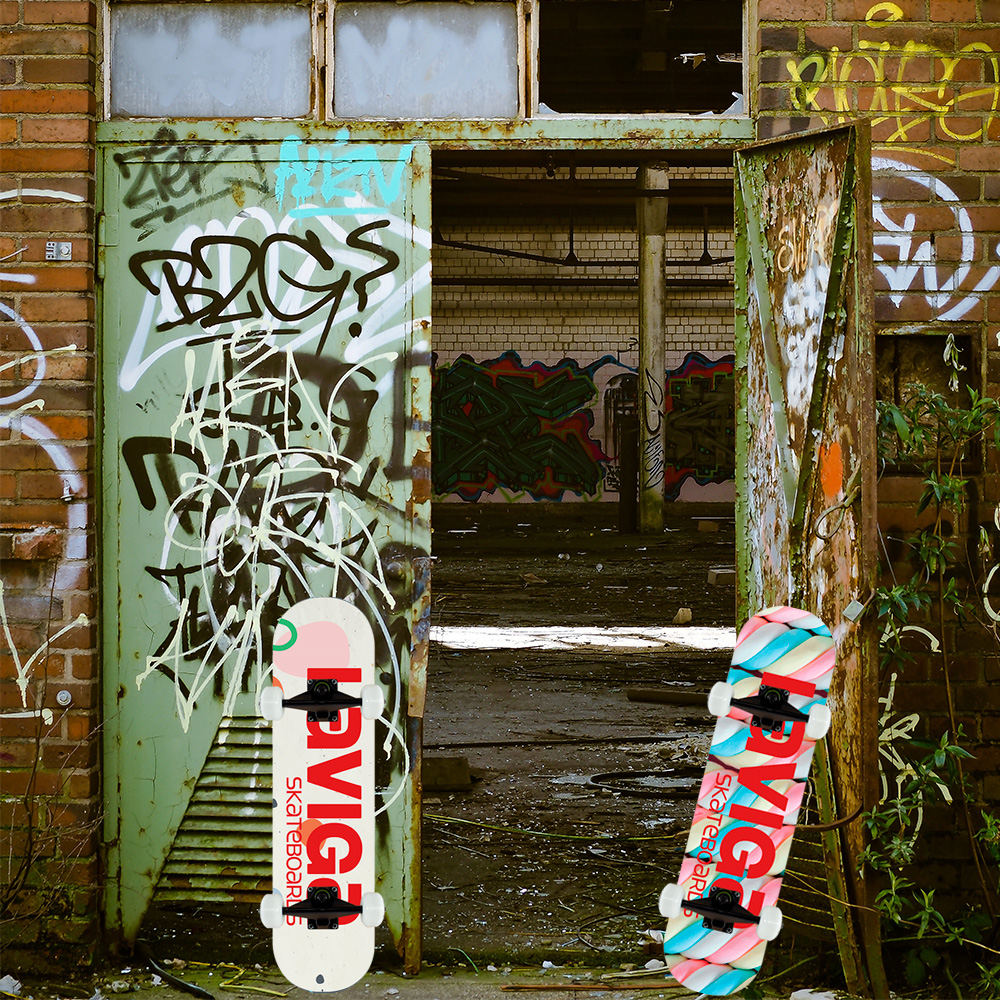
(926, 75)
(49, 696)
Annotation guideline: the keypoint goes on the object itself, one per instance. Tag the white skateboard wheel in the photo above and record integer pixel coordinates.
(670, 901)
(720, 698)
(819, 722)
(271, 707)
(270, 910)
(372, 909)
(770, 923)
(372, 701)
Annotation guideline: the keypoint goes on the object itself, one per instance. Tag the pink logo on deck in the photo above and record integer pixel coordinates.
(296, 649)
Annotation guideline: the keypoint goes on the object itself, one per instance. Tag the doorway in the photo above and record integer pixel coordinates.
(565, 729)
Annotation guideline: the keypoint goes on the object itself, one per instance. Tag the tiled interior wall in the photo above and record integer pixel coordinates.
(585, 322)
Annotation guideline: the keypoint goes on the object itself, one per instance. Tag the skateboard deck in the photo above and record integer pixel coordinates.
(771, 710)
(322, 704)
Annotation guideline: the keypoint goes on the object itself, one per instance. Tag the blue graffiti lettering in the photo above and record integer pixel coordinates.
(354, 178)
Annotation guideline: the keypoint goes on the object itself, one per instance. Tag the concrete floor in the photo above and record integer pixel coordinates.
(539, 722)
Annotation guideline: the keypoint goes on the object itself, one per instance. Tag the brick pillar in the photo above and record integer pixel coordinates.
(49, 693)
(926, 74)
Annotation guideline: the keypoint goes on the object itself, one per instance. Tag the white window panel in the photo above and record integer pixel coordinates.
(228, 60)
(425, 60)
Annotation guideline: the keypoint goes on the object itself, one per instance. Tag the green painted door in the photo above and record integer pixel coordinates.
(265, 374)
(806, 459)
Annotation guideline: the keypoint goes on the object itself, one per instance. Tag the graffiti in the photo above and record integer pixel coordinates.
(170, 177)
(352, 179)
(908, 261)
(219, 277)
(17, 417)
(262, 482)
(188, 278)
(652, 411)
(503, 424)
(887, 90)
(700, 414)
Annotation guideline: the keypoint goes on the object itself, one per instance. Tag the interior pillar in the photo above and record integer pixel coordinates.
(652, 227)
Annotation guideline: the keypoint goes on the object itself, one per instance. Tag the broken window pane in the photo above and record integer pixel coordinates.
(230, 60)
(640, 56)
(425, 60)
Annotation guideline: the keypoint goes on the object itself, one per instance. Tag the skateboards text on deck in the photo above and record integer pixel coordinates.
(323, 909)
(771, 711)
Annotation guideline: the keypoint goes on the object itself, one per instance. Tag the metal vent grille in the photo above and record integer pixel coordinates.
(222, 852)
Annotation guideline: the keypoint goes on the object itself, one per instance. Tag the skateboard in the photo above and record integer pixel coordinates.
(322, 703)
(771, 710)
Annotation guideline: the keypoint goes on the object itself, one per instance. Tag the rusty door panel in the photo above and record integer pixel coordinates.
(805, 439)
(266, 350)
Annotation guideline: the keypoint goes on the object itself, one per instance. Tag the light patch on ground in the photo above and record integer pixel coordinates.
(563, 637)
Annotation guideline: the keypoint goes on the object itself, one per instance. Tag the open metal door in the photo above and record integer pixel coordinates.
(806, 462)
(266, 399)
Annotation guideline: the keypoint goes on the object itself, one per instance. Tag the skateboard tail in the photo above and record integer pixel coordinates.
(712, 980)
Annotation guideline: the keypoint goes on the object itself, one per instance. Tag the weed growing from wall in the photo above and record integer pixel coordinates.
(945, 439)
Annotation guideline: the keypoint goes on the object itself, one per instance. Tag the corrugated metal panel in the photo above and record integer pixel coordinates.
(222, 852)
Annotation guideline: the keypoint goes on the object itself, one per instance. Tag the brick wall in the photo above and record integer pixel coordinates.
(49, 696)
(926, 74)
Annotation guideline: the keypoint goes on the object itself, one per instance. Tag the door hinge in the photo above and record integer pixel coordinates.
(107, 236)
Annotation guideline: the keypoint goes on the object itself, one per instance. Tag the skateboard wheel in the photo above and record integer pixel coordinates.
(819, 722)
(770, 923)
(372, 909)
(670, 901)
(270, 910)
(720, 698)
(271, 707)
(372, 701)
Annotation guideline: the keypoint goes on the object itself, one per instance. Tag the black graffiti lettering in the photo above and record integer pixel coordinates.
(167, 171)
(390, 257)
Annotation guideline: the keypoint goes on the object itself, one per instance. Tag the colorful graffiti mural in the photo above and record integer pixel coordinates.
(503, 424)
(700, 405)
(512, 428)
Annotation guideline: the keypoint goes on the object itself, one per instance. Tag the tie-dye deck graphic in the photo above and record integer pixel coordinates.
(749, 800)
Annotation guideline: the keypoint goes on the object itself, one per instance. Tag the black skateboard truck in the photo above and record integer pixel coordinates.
(322, 700)
(322, 908)
(770, 708)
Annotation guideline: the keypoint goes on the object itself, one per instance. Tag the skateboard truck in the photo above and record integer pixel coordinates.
(322, 701)
(770, 709)
(721, 910)
(322, 909)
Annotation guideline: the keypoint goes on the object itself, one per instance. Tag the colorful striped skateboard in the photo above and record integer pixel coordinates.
(771, 711)
(323, 908)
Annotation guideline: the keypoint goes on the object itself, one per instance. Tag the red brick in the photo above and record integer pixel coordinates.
(900, 34)
(902, 128)
(38, 160)
(26, 218)
(8, 11)
(65, 100)
(782, 38)
(56, 278)
(56, 130)
(57, 12)
(70, 308)
(855, 10)
(991, 11)
(953, 10)
(49, 43)
(53, 70)
(791, 10)
(825, 37)
(8, 130)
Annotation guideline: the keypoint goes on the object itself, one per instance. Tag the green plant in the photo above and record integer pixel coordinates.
(943, 441)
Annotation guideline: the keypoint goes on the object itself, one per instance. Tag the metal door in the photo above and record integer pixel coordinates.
(266, 397)
(806, 467)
